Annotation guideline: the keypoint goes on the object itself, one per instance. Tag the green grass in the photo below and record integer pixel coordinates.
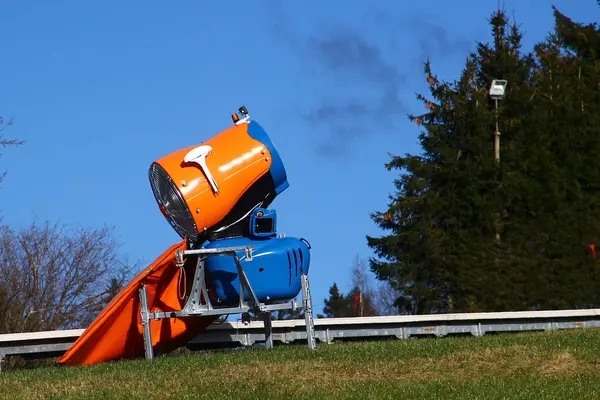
(553, 365)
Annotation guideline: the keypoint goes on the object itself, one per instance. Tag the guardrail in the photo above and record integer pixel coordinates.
(55, 343)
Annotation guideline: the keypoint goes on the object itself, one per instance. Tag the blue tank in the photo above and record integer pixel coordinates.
(274, 271)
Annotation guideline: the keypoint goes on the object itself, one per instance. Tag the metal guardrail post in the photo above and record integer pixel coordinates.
(268, 330)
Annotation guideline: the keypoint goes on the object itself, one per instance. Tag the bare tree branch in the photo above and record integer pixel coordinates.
(4, 142)
(53, 277)
(386, 298)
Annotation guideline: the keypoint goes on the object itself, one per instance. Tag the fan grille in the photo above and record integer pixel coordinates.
(168, 196)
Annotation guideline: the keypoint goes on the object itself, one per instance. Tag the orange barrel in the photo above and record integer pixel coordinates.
(208, 190)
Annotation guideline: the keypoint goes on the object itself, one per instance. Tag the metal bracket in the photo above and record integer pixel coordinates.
(179, 258)
(248, 255)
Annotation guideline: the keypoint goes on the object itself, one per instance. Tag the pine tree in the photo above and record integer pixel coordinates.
(551, 221)
(496, 279)
(335, 305)
(361, 304)
(470, 234)
(350, 305)
(569, 75)
(442, 253)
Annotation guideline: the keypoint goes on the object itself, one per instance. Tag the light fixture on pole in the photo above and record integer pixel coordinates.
(497, 92)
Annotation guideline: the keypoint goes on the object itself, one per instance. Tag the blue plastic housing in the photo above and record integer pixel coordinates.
(274, 271)
(263, 223)
(278, 173)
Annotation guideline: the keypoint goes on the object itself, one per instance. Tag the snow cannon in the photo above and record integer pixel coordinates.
(207, 191)
(231, 260)
(274, 268)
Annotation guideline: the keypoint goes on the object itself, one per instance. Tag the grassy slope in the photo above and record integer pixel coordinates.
(562, 365)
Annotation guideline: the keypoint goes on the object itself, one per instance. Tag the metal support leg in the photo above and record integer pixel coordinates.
(308, 315)
(244, 282)
(145, 313)
(201, 272)
(2, 360)
(268, 330)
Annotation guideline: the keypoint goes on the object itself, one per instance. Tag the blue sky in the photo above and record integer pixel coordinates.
(99, 90)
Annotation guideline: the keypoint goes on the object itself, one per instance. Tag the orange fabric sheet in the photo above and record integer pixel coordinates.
(117, 332)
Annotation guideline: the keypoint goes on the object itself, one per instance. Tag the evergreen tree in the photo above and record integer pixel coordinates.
(353, 304)
(361, 303)
(442, 254)
(497, 277)
(335, 305)
(470, 234)
(552, 180)
(569, 75)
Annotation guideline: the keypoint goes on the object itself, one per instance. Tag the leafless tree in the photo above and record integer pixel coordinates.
(380, 295)
(386, 296)
(4, 141)
(56, 277)
(363, 288)
(361, 278)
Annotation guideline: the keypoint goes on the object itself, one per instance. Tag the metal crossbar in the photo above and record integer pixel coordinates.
(195, 306)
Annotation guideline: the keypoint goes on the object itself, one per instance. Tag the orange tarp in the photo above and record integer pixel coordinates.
(118, 333)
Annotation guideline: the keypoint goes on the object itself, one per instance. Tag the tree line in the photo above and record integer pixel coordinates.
(465, 232)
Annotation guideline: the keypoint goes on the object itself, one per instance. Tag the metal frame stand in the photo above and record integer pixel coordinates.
(194, 305)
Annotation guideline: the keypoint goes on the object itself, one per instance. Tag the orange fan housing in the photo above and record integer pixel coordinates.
(207, 191)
